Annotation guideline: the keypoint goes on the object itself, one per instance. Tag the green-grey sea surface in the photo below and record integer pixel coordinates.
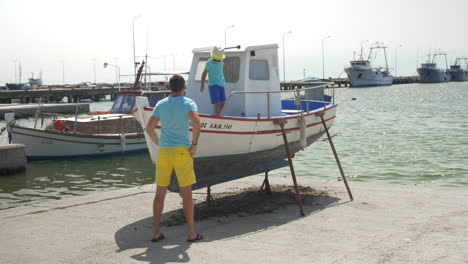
(406, 134)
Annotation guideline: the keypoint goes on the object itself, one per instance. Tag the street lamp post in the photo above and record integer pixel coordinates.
(94, 60)
(225, 43)
(284, 57)
(133, 31)
(173, 61)
(323, 58)
(63, 71)
(396, 52)
(117, 71)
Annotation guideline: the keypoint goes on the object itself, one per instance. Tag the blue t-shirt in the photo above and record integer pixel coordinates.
(173, 114)
(215, 72)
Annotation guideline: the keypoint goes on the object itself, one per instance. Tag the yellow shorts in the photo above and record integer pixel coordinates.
(178, 159)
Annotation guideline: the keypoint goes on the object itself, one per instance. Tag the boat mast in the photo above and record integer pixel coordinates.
(446, 64)
(19, 72)
(16, 72)
(385, 54)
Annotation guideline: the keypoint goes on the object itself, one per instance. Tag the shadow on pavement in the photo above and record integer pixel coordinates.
(231, 214)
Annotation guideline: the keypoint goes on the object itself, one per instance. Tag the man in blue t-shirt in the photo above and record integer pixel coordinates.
(175, 152)
(215, 68)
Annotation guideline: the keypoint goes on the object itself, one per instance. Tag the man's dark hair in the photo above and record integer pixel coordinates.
(177, 83)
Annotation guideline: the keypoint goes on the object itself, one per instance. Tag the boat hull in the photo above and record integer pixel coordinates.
(433, 75)
(41, 144)
(458, 76)
(231, 147)
(214, 170)
(367, 78)
(15, 86)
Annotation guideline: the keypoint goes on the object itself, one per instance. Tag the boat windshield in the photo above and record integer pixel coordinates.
(124, 104)
(117, 103)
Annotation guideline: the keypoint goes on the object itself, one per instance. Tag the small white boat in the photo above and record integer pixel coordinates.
(361, 73)
(95, 134)
(246, 139)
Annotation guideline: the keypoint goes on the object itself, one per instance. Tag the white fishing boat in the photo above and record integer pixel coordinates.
(247, 138)
(95, 134)
(362, 74)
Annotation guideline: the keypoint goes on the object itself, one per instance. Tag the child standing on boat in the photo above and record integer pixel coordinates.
(215, 68)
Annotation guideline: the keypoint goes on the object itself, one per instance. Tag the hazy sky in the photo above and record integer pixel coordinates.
(47, 34)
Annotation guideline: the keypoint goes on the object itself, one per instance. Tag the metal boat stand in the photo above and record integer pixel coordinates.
(281, 123)
(266, 184)
(321, 114)
(209, 197)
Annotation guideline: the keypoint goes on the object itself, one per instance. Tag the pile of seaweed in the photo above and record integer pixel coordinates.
(245, 202)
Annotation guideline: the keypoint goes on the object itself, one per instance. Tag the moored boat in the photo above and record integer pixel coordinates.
(457, 73)
(96, 134)
(429, 73)
(362, 74)
(247, 138)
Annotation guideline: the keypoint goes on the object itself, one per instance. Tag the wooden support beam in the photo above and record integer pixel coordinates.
(281, 123)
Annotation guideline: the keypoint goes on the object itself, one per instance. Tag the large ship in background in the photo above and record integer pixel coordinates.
(33, 83)
(17, 85)
(457, 73)
(429, 73)
(361, 73)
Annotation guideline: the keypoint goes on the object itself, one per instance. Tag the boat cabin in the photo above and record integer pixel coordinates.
(364, 64)
(429, 65)
(124, 103)
(254, 69)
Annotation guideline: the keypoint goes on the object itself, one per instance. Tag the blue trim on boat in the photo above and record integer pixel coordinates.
(373, 85)
(313, 105)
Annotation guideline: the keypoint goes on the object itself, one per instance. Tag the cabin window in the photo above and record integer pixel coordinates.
(259, 70)
(233, 63)
(155, 98)
(127, 104)
(200, 69)
(117, 103)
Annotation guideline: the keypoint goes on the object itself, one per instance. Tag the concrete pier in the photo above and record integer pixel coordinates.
(12, 158)
(385, 223)
(54, 94)
(22, 111)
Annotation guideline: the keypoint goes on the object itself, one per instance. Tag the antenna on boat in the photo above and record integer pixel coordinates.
(234, 47)
(146, 60)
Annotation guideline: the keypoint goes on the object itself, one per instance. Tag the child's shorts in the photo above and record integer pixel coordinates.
(217, 94)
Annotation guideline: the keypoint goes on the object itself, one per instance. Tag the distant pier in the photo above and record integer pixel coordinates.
(56, 94)
(341, 82)
(28, 110)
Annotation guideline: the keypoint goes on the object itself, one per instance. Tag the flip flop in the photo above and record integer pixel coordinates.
(198, 237)
(160, 237)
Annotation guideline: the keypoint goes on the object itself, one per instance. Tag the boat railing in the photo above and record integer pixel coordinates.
(297, 96)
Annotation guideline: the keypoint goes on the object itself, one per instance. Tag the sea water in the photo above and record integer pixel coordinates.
(405, 134)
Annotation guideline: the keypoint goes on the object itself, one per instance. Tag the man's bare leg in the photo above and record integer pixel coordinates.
(186, 193)
(158, 206)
